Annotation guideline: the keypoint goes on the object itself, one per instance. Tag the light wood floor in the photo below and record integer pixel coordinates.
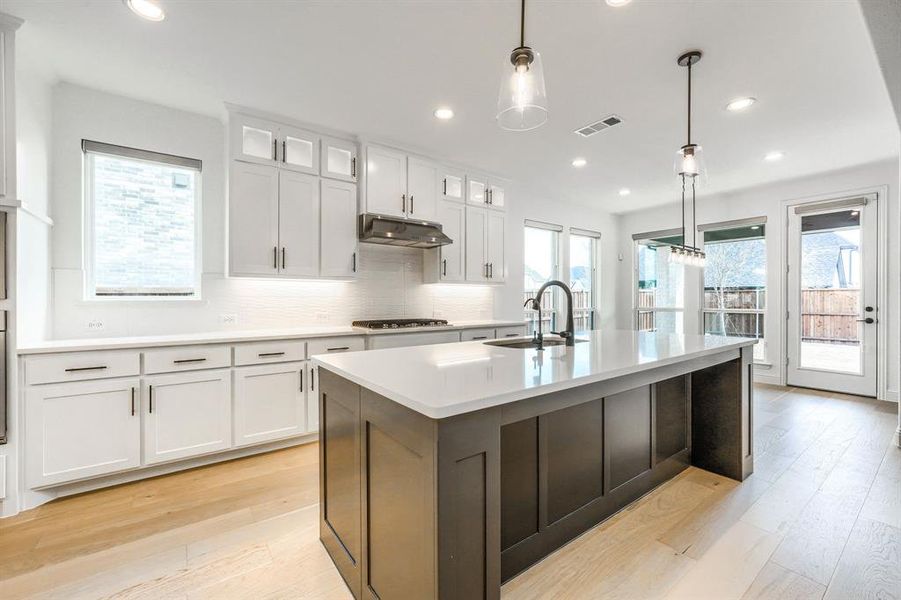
(820, 517)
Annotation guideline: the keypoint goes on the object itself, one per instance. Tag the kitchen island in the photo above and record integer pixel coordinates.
(446, 470)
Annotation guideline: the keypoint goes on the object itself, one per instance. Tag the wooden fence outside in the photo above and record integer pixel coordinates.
(582, 312)
(827, 315)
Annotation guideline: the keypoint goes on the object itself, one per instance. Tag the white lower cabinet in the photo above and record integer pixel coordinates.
(186, 414)
(312, 399)
(270, 402)
(82, 429)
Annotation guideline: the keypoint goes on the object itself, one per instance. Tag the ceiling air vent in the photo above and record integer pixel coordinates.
(598, 126)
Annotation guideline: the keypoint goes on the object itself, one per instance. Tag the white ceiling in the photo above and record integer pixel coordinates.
(379, 68)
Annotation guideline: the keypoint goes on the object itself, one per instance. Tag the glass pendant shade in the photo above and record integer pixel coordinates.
(690, 163)
(522, 99)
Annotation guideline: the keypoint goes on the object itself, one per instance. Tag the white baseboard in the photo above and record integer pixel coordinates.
(764, 377)
(892, 395)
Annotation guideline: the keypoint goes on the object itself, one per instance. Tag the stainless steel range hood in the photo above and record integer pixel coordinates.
(394, 231)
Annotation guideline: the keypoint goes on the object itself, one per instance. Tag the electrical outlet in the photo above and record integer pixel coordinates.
(228, 319)
(95, 325)
(322, 317)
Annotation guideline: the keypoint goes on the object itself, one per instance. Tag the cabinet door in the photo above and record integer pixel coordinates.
(253, 219)
(453, 185)
(476, 190)
(298, 224)
(386, 181)
(452, 216)
(476, 243)
(496, 240)
(82, 429)
(497, 197)
(339, 159)
(270, 402)
(338, 231)
(186, 414)
(254, 140)
(299, 150)
(312, 392)
(422, 189)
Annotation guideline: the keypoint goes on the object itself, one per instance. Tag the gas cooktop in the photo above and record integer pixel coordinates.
(399, 323)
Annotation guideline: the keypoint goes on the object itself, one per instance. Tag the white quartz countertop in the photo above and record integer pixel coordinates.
(224, 337)
(451, 379)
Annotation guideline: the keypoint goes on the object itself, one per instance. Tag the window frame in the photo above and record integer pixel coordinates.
(702, 300)
(595, 239)
(637, 239)
(557, 230)
(90, 149)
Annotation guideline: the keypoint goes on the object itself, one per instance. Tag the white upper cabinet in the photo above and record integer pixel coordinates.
(299, 149)
(254, 140)
(476, 244)
(452, 215)
(476, 190)
(298, 225)
(339, 159)
(496, 195)
(453, 185)
(253, 219)
(386, 181)
(496, 243)
(422, 189)
(338, 229)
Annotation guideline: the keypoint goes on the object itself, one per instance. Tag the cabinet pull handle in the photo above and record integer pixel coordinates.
(275, 149)
(444, 267)
(270, 354)
(184, 361)
(284, 151)
(354, 262)
(411, 204)
(403, 200)
(353, 167)
(512, 335)
(283, 257)
(486, 270)
(488, 196)
(76, 369)
(301, 379)
(275, 257)
(480, 337)
(150, 394)
(312, 380)
(490, 270)
(338, 348)
(445, 186)
(132, 400)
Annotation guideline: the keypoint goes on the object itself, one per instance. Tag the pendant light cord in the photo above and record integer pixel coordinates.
(694, 218)
(522, 25)
(683, 212)
(689, 99)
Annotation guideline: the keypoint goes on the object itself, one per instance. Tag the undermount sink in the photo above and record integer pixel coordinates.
(525, 343)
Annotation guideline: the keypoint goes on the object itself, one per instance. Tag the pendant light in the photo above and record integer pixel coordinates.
(690, 170)
(521, 99)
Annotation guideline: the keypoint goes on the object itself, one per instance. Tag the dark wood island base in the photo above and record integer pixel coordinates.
(416, 508)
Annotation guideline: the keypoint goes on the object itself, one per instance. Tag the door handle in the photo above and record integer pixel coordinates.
(867, 320)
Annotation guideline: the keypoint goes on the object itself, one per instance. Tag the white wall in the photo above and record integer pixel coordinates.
(389, 284)
(769, 201)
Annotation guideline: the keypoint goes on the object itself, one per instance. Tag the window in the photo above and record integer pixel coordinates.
(142, 226)
(659, 293)
(583, 250)
(735, 281)
(541, 243)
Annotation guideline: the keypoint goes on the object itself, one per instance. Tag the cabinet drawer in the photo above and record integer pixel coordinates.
(515, 331)
(80, 366)
(270, 352)
(186, 358)
(477, 334)
(332, 345)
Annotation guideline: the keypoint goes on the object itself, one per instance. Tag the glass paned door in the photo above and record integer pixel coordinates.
(582, 253)
(832, 298)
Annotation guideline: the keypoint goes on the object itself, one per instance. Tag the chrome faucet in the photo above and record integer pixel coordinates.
(568, 334)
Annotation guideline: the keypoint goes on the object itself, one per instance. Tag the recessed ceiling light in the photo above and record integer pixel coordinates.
(618, 2)
(625, 192)
(579, 162)
(774, 156)
(444, 113)
(740, 104)
(146, 9)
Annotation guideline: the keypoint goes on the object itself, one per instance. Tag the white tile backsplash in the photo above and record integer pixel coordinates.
(389, 285)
